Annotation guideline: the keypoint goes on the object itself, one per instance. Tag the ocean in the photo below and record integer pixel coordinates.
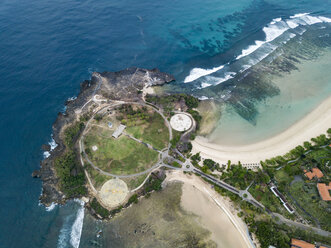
(48, 47)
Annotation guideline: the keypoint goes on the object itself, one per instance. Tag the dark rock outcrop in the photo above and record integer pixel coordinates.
(121, 85)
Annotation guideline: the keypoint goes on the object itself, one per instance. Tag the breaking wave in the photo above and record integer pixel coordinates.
(53, 145)
(199, 72)
(278, 26)
(273, 30)
(71, 231)
(51, 207)
(210, 80)
(77, 227)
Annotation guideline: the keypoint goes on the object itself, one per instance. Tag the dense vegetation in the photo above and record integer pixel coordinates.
(71, 175)
(288, 173)
(270, 233)
(72, 132)
(69, 171)
(167, 102)
(100, 210)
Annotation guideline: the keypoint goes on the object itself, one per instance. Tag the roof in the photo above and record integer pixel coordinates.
(323, 189)
(314, 173)
(301, 244)
(118, 131)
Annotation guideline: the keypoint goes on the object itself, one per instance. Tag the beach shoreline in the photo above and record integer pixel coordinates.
(312, 125)
(216, 213)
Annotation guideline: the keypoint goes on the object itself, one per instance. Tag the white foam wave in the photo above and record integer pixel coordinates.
(202, 98)
(53, 145)
(71, 231)
(275, 20)
(77, 227)
(72, 98)
(51, 207)
(205, 85)
(210, 80)
(196, 73)
(273, 30)
(277, 27)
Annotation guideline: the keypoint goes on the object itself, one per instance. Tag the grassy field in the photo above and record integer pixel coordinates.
(134, 182)
(96, 177)
(307, 196)
(122, 156)
(154, 132)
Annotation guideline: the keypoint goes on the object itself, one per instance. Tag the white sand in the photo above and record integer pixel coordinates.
(312, 125)
(215, 212)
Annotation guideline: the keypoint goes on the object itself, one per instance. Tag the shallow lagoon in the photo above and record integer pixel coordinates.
(301, 91)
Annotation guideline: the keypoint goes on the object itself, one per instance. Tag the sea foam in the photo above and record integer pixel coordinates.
(71, 231)
(53, 145)
(210, 80)
(51, 207)
(273, 30)
(77, 227)
(196, 73)
(278, 26)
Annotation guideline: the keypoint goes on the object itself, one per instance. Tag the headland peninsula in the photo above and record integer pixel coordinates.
(120, 140)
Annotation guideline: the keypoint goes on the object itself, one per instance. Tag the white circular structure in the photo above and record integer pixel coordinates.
(113, 192)
(181, 122)
(94, 148)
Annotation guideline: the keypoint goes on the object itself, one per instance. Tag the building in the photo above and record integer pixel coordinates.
(117, 133)
(296, 243)
(315, 172)
(282, 199)
(323, 190)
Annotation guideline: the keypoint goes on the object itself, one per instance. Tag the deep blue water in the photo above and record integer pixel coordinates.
(48, 47)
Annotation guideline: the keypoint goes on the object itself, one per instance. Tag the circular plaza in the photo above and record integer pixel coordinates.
(181, 122)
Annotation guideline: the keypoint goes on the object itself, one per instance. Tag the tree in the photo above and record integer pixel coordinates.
(307, 145)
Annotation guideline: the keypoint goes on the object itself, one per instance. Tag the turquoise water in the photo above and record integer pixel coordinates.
(49, 47)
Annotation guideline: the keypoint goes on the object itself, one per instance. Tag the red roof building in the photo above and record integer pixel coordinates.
(315, 172)
(323, 189)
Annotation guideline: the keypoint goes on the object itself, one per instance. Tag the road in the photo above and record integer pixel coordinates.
(187, 166)
(283, 220)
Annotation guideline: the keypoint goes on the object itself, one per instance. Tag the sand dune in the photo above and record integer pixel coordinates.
(312, 125)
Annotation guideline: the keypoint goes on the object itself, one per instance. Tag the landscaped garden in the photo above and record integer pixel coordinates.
(122, 156)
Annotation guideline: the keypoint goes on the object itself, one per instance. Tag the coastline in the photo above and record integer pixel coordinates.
(313, 124)
(215, 212)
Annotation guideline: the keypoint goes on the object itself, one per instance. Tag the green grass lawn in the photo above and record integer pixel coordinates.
(134, 182)
(307, 196)
(154, 132)
(96, 177)
(122, 156)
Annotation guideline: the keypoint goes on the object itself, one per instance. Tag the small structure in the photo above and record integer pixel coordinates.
(110, 125)
(118, 131)
(181, 122)
(323, 190)
(282, 199)
(296, 243)
(315, 172)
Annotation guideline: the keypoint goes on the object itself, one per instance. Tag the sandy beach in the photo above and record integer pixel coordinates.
(214, 212)
(315, 123)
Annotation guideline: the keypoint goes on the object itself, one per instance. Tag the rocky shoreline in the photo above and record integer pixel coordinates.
(126, 85)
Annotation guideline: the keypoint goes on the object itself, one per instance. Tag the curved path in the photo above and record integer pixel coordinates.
(158, 164)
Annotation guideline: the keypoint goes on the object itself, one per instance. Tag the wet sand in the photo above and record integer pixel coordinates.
(214, 212)
(313, 124)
